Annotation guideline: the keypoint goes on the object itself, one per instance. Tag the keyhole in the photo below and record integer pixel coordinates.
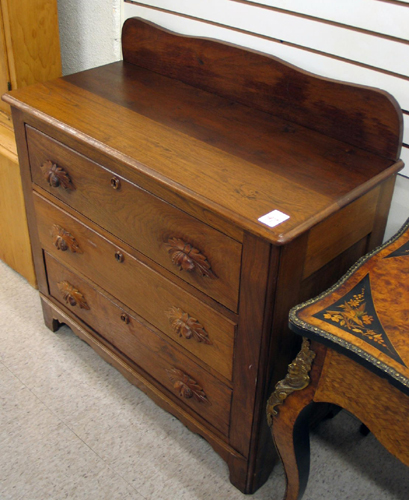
(115, 183)
(125, 318)
(119, 257)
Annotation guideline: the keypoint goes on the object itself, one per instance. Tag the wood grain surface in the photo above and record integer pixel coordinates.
(140, 219)
(15, 248)
(32, 40)
(342, 111)
(4, 67)
(29, 52)
(55, 315)
(378, 404)
(138, 286)
(274, 159)
(143, 346)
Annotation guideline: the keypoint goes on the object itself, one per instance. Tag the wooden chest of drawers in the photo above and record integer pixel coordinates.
(144, 181)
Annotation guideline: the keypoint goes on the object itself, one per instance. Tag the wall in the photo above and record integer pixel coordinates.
(90, 32)
(360, 41)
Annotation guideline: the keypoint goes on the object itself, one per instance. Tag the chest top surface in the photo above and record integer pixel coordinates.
(239, 133)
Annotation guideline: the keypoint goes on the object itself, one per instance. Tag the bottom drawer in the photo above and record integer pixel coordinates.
(198, 389)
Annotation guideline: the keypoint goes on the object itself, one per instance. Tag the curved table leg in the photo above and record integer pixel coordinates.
(288, 411)
(291, 437)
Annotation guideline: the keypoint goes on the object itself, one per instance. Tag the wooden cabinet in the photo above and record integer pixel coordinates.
(29, 53)
(146, 183)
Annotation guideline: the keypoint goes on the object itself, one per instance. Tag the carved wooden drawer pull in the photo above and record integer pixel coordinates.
(186, 326)
(64, 240)
(186, 386)
(188, 258)
(56, 176)
(72, 296)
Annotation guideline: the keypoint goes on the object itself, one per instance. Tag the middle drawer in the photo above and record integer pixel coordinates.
(194, 325)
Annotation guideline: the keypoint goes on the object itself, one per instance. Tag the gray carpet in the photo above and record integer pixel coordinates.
(71, 427)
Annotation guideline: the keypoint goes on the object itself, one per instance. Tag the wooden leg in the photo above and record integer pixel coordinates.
(291, 437)
(238, 471)
(288, 411)
(49, 317)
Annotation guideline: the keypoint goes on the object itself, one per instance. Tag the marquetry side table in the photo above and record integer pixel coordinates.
(357, 358)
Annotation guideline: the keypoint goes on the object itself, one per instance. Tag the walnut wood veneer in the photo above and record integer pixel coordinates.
(158, 168)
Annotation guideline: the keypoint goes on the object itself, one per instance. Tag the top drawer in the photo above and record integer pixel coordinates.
(201, 255)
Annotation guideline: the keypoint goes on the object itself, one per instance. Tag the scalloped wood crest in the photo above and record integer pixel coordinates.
(364, 117)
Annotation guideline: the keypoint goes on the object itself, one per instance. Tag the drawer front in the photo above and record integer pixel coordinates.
(202, 256)
(202, 392)
(194, 325)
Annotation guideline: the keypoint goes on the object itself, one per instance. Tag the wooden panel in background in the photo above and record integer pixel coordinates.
(4, 69)
(7, 140)
(29, 52)
(32, 39)
(15, 243)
